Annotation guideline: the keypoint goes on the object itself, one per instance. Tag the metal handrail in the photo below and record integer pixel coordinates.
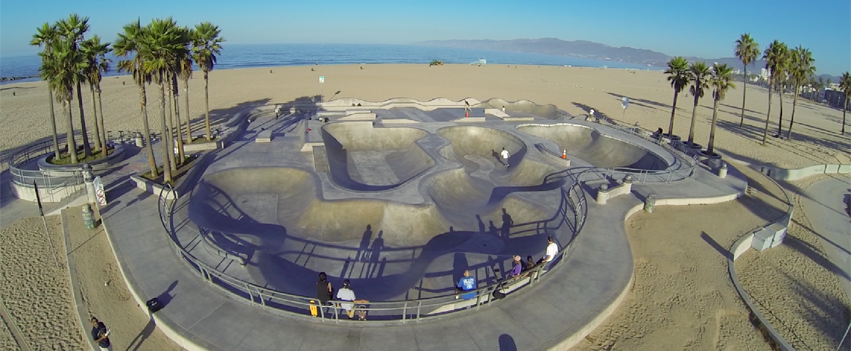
(644, 175)
(43, 179)
(573, 197)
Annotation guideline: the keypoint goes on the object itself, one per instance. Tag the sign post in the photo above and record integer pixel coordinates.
(624, 104)
(100, 194)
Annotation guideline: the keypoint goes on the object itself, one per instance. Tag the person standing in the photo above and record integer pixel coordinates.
(505, 156)
(347, 294)
(552, 251)
(467, 283)
(324, 291)
(100, 334)
(277, 111)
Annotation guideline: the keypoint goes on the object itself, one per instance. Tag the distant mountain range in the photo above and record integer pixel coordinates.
(589, 50)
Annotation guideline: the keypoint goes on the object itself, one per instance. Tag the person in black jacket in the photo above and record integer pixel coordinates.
(100, 334)
(324, 290)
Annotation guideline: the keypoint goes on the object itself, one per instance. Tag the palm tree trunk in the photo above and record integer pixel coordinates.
(72, 144)
(100, 111)
(768, 113)
(843, 121)
(792, 119)
(167, 151)
(673, 113)
(149, 148)
(693, 117)
(711, 146)
(97, 125)
(87, 149)
(170, 123)
(188, 117)
(207, 105)
(780, 121)
(175, 95)
(744, 93)
(56, 152)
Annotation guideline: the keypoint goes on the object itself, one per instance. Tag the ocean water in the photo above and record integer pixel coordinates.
(273, 55)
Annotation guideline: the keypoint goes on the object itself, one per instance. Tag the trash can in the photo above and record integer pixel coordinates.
(649, 203)
(88, 217)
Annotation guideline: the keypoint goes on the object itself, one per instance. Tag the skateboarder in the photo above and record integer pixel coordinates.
(505, 156)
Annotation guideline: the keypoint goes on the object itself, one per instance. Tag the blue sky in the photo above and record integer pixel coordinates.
(687, 28)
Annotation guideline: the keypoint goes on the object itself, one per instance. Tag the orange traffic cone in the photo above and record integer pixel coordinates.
(564, 154)
(466, 114)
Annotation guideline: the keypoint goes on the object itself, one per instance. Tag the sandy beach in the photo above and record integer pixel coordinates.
(682, 297)
(575, 90)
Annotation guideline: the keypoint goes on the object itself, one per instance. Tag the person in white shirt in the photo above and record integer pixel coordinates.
(552, 251)
(347, 294)
(505, 156)
(277, 111)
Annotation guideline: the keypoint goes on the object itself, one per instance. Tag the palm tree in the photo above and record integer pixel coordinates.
(60, 70)
(678, 75)
(845, 86)
(773, 56)
(721, 80)
(802, 69)
(131, 42)
(206, 45)
(185, 72)
(747, 50)
(95, 52)
(698, 73)
(163, 42)
(72, 30)
(44, 37)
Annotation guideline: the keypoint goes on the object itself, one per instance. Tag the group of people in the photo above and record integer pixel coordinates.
(468, 283)
(346, 296)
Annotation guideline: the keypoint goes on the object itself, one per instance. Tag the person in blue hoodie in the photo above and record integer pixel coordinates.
(467, 283)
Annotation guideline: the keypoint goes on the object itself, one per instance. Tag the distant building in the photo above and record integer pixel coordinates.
(764, 74)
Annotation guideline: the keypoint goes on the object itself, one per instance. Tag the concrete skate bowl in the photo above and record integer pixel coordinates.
(524, 107)
(598, 149)
(364, 158)
(273, 219)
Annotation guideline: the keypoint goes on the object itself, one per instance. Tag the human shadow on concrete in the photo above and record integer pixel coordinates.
(282, 261)
(506, 343)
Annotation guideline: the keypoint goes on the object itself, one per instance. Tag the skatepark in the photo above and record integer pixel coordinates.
(401, 204)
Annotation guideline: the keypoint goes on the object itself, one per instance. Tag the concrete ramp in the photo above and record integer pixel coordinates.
(364, 158)
(597, 149)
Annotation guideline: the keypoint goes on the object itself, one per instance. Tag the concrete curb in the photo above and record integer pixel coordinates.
(82, 311)
(795, 173)
(738, 249)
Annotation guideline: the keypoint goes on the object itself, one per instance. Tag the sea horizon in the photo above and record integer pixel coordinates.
(235, 56)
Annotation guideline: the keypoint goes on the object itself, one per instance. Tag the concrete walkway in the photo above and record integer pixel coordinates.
(825, 205)
(567, 304)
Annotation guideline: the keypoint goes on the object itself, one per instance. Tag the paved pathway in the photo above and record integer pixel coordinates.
(825, 205)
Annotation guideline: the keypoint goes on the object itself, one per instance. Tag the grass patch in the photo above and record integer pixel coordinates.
(65, 158)
(188, 162)
(201, 139)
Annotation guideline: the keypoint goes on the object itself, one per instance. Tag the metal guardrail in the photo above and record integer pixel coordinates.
(573, 204)
(43, 179)
(642, 175)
